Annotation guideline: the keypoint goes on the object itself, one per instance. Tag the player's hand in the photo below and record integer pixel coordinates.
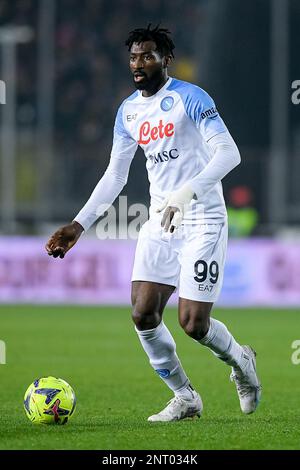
(171, 218)
(63, 239)
(174, 207)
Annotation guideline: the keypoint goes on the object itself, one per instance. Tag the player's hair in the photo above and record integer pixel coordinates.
(164, 43)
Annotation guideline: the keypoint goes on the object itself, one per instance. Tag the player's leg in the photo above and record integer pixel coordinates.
(202, 265)
(149, 300)
(155, 274)
(194, 318)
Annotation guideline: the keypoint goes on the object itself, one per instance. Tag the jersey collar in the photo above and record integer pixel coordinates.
(156, 95)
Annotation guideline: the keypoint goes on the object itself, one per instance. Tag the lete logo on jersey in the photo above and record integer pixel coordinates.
(147, 133)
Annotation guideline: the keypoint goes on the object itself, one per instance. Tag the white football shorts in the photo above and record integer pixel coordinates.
(191, 259)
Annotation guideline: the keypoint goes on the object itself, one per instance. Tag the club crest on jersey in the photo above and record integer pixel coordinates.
(167, 103)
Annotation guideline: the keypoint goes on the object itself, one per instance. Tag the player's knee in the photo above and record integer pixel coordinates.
(196, 326)
(145, 317)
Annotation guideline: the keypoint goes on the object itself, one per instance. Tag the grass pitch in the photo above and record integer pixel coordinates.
(96, 350)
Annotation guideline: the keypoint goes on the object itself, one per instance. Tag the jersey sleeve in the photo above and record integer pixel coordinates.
(226, 156)
(124, 146)
(201, 108)
(114, 178)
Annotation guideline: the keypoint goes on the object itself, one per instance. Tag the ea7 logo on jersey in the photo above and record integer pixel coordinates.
(148, 133)
(209, 113)
(131, 117)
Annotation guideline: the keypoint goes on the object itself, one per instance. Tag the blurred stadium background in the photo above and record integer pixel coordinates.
(65, 67)
(66, 71)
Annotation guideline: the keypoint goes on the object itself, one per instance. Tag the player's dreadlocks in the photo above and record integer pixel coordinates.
(158, 35)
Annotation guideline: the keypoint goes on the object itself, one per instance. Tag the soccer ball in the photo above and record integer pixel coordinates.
(49, 400)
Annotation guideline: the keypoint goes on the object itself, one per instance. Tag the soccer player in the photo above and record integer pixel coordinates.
(188, 151)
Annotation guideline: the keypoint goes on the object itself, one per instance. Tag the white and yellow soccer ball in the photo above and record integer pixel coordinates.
(49, 400)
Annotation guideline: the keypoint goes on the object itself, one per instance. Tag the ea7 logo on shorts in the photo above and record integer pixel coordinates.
(209, 113)
(205, 288)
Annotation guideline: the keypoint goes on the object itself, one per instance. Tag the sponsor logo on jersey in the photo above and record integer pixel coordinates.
(211, 113)
(148, 133)
(131, 117)
(167, 103)
(163, 156)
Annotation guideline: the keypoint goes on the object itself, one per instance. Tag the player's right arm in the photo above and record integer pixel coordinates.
(104, 194)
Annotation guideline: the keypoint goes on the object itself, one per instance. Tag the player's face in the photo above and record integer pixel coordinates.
(147, 66)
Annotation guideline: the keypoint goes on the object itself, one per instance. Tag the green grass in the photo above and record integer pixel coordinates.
(97, 351)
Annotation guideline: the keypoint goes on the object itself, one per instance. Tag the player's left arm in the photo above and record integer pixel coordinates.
(225, 157)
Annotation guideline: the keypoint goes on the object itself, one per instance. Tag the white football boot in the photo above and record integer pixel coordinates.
(247, 383)
(180, 408)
